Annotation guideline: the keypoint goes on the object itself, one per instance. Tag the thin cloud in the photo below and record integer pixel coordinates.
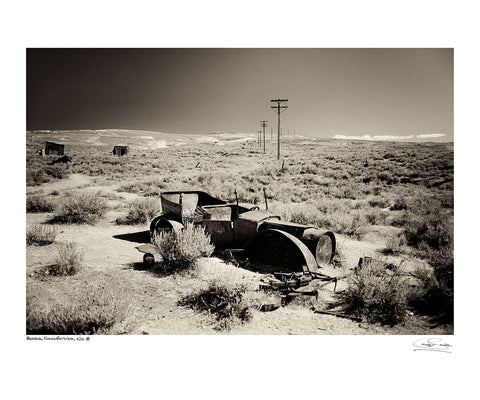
(375, 137)
(392, 137)
(431, 135)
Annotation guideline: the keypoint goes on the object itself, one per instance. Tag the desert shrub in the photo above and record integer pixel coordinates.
(426, 223)
(39, 203)
(225, 302)
(68, 262)
(140, 211)
(98, 310)
(377, 294)
(36, 176)
(350, 224)
(375, 217)
(394, 244)
(447, 202)
(181, 250)
(431, 229)
(306, 214)
(96, 170)
(400, 204)
(41, 235)
(57, 171)
(435, 297)
(442, 263)
(80, 208)
(151, 187)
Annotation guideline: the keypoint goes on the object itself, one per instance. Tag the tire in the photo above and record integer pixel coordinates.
(148, 260)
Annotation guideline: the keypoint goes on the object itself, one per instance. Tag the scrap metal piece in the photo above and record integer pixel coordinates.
(288, 246)
(279, 248)
(270, 303)
(161, 224)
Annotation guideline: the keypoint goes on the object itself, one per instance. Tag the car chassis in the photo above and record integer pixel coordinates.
(266, 239)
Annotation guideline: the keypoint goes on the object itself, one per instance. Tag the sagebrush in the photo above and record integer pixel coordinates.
(97, 310)
(180, 250)
(41, 235)
(377, 293)
(69, 260)
(436, 292)
(140, 211)
(394, 244)
(37, 203)
(80, 209)
(225, 302)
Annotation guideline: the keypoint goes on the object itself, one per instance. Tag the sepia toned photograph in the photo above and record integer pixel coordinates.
(239, 191)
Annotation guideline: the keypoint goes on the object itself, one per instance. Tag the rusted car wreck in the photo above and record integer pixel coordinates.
(287, 246)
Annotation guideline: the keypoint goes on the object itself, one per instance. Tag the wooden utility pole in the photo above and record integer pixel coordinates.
(279, 108)
(264, 124)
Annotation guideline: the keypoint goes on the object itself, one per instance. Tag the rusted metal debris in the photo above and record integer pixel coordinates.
(297, 282)
(290, 285)
(263, 235)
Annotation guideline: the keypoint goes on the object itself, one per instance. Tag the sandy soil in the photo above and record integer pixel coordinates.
(113, 259)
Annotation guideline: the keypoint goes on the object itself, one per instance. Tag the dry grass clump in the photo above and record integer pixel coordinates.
(98, 310)
(37, 203)
(226, 302)
(377, 294)
(140, 211)
(181, 250)
(41, 235)
(68, 262)
(83, 208)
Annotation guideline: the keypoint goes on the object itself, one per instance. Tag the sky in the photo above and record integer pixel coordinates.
(372, 94)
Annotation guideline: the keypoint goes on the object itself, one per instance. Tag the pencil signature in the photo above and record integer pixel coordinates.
(432, 344)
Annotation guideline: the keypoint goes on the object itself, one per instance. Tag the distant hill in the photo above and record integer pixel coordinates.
(140, 139)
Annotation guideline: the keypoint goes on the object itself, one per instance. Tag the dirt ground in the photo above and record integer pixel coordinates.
(113, 258)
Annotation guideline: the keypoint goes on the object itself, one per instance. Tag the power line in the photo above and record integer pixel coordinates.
(279, 108)
(263, 125)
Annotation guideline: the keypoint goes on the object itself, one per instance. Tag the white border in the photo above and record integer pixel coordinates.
(220, 367)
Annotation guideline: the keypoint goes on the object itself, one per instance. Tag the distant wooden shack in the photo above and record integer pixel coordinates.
(120, 150)
(54, 149)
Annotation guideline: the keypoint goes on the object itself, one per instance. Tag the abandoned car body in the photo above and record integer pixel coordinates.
(262, 235)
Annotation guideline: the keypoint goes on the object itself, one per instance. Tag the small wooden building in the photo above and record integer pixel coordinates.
(54, 149)
(120, 150)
